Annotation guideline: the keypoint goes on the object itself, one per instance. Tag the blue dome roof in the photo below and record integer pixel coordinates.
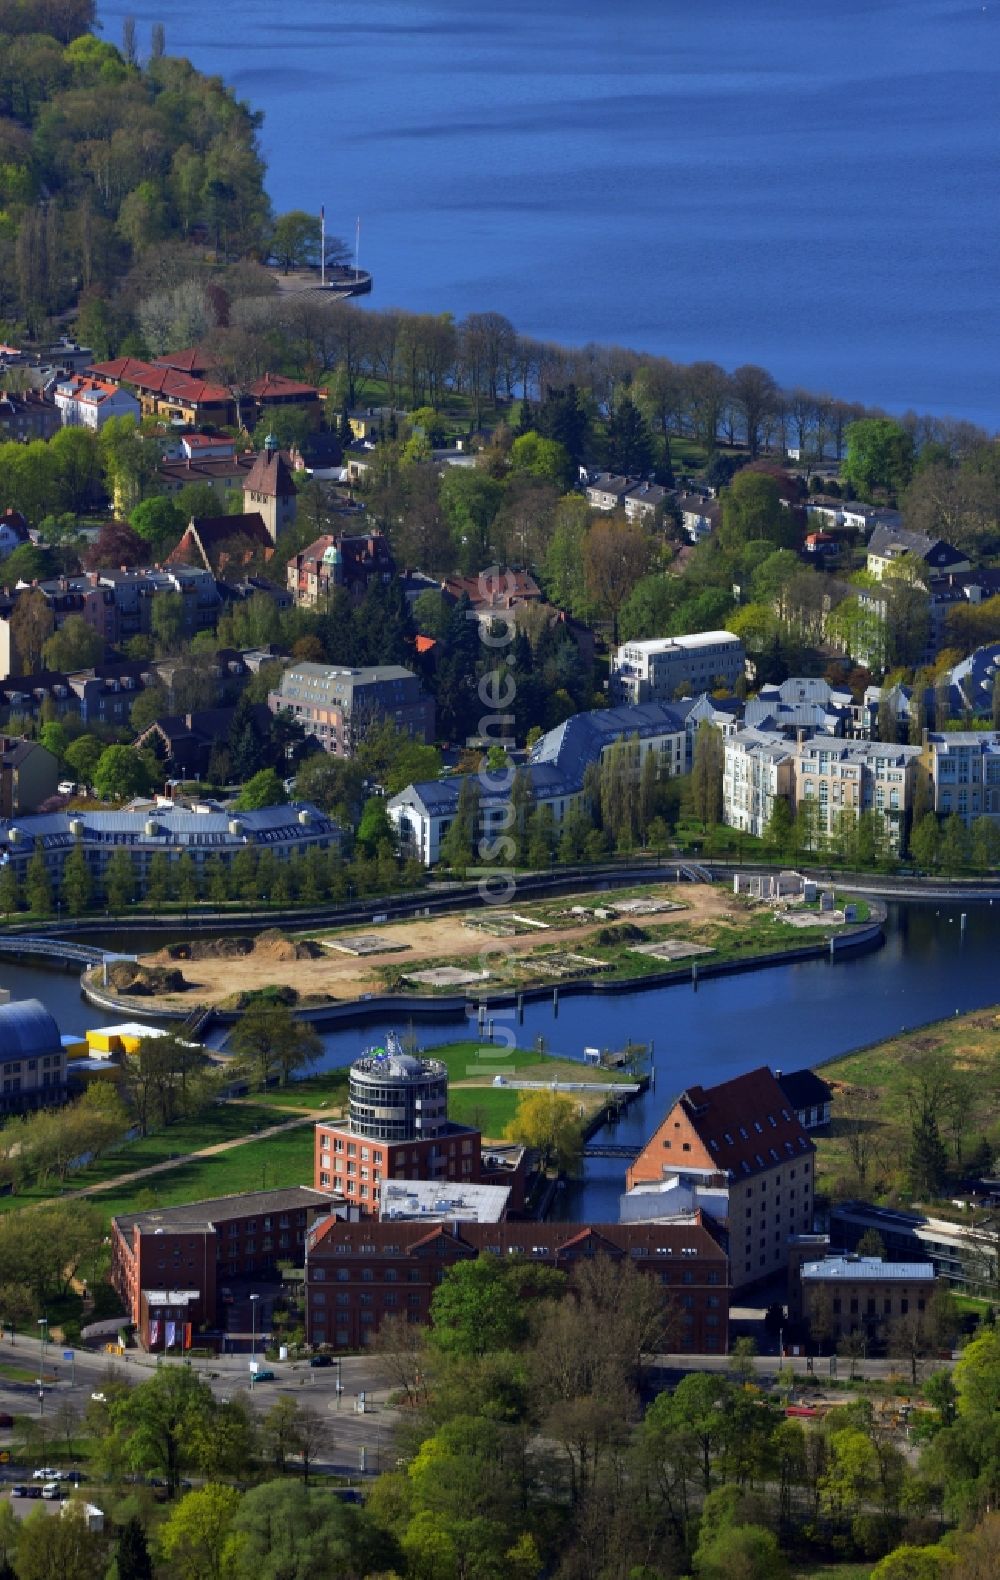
(27, 1028)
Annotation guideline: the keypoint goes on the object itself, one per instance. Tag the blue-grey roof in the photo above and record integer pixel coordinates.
(173, 825)
(27, 1029)
(866, 1268)
(974, 677)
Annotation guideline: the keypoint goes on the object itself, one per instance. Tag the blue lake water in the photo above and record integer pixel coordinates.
(810, 187)
(786, 1016)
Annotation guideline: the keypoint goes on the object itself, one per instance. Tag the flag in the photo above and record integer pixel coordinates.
(187, 1335)
(171, 1334)
(154, 1333)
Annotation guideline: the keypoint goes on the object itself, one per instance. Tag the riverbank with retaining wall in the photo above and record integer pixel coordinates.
(370, 1007)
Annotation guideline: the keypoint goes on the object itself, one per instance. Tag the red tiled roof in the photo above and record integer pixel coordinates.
(747, 1125)
(162, 381)
(192, 361)
(276, 384)
(528, 1239)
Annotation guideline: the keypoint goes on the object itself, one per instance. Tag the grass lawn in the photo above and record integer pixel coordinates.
(878, 1077)
(316, 1091)
(260, 1165)
(488, 1108)
(222, 1122)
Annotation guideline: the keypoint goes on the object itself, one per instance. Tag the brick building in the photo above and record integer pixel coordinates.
(359, 1273)
(745, 1136)
(398, 1129)
(859, 1294)
(339, 560)
(170, 1264)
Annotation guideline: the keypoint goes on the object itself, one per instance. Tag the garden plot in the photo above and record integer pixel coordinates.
(502, 924)
(671, 949)
(365, 944)
(643, 907)
(561, 963)
(445, 976)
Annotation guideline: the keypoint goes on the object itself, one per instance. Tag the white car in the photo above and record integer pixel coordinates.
(99, 1398)
(47, 1474)
(52, 1490)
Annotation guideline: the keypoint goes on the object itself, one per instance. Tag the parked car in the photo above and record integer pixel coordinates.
(20, 1491)
(99, 1398)
(5, 1419)
(264, 1375)
(52, 1490)
(321, 1360)
(33, 1492)
(46, 1473)
(75, 1476)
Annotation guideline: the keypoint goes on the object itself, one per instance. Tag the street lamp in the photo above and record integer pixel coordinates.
(43, 1323)
(253, 1339)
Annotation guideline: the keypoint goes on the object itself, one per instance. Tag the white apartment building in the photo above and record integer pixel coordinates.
(89, 403)
(665, 667)
(759, 768)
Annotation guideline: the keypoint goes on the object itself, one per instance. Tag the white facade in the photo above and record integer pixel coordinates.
(965, 773)
(661, 669)
(89, 403)
(758, 769)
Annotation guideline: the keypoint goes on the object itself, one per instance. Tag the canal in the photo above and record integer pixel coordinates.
(785, 1016)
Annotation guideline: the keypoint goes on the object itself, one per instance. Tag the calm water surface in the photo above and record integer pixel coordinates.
(812, 187)
(787, 1017)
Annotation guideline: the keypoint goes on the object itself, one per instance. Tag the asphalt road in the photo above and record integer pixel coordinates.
(354, 1441)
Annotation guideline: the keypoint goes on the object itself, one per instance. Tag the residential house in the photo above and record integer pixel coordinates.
(699, 516)
(31, 414)
(205, 458)
(337, 560)
(888, 544)
(22, 696)
(607, 491)
(495, 592)
(273, 392)
(29, 775)
(358, 1274)
(84, 402)
(184, 742)
(337, 705)
(662, 668)
(373, 422)
(223, 543)
(744, 1135)
(644, 501)
(424, 812)
(13, 532)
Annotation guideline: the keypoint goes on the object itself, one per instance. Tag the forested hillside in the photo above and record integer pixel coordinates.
(121, 170)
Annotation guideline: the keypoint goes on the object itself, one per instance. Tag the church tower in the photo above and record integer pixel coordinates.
(270, 489)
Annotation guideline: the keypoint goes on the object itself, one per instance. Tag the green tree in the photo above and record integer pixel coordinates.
(459, 845)
(166, 619)
(953, 852)
(549, 1123)
(540, 457)
(879, 457)
(53, 736)
(780, 826)
(629, 446)
(706, 774)
(74, 646)
(31, 623)
(752, 511)
(121, 772)
(119, 881)
(269, 1036)
(10, 890)
(285, 1531)
(132, 1560)
(157, 1423)
(83, 756)
(748, 1551)
(925, 842)
(480, 1306)
(195, 1535)
(375, 828)
(58, 1549)
(616, 555)
(160, 521)
(76, 882)
(927, 1158)
(38, 884)
(263, 789)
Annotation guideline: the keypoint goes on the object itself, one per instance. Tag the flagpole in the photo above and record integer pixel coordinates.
(322, 245)
(357, 244)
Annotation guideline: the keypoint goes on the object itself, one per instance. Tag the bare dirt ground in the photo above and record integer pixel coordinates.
(433, 938)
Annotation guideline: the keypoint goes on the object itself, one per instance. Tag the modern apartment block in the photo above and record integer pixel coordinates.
(964, 770)
(831, 775)
(667, 667)
(743, 1138)
(203, 831)
(337, 705)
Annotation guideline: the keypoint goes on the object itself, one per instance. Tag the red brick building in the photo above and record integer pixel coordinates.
(745, 1134)
(188, 1253)
(359, 1273)
(398, 1128)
